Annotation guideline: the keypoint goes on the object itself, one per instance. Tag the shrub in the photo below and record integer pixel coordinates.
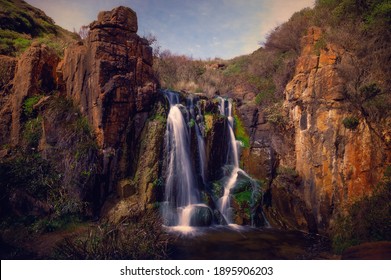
(28, 105)
(366, 220)
(133, 238)
(275, 115)
(320, 45)
(83, 126)
(32, 132)
(30, 174)
(350, 123)
(287, 171)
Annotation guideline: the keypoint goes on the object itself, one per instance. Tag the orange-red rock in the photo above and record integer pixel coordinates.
(337, 165)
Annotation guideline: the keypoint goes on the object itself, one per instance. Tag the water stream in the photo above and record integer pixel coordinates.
(182, 196)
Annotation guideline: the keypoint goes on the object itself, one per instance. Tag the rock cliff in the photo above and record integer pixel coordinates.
(110, 75)
(337, 164)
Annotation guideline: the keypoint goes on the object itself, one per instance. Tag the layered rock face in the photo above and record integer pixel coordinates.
(34, 73)
(110, 76)
(7, 72)
(337, 164)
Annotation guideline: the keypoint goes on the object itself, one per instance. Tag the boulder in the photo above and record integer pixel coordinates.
(201, 216)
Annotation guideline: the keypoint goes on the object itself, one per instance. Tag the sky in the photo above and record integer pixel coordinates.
(201, 29)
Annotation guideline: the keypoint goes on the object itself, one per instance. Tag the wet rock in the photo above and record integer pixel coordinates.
(216, 145)
(219, 218)
(201, 216)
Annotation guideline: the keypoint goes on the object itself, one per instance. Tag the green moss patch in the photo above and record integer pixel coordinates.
(240, 132)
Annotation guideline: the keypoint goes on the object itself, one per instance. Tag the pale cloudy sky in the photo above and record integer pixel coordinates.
(198, 28)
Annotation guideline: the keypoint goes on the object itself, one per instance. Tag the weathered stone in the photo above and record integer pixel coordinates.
(216, 152)
(147, 173)
(7, 71)
(337, 165)
(35, 73)
(258, 162)
(120, 17)
(110, 77)
(126, 188)
(285, 207)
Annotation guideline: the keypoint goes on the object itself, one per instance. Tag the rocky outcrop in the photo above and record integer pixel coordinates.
(259, 159)
(7, 72)
(337, 164)
(110, 75)
(284, 206)
(109, 78)
(34, 75)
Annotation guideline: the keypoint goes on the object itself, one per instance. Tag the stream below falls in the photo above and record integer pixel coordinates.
(240, 243)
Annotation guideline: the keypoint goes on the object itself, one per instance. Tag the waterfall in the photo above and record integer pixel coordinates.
(182, 198)
(224, 203)
(184, 178)
(232, 159)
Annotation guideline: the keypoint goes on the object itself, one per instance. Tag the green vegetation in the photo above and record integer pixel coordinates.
(366, 220)
(28, 105)
(191, 123)
(243, 197)
(49, 189)
(160, 118)
(32, 175)
(217, 189)
(82, 126)
(54, 43)
(320, 45)
(21, 24)
(275, 115)
(287, 171)
(351, 123)
(240, 132)
(13, 43)
(32, 132)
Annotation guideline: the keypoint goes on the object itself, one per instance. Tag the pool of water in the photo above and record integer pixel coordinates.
(235, 242)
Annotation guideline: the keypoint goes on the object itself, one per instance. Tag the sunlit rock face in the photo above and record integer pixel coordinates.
(337, 164)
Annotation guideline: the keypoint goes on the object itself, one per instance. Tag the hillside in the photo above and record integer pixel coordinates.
(21, 24)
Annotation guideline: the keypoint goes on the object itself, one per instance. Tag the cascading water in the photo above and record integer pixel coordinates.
(224, 203)
(182, 199)
(184, 178)
(233, 159)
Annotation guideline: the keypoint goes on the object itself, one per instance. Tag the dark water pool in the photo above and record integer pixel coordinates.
(233, 243)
